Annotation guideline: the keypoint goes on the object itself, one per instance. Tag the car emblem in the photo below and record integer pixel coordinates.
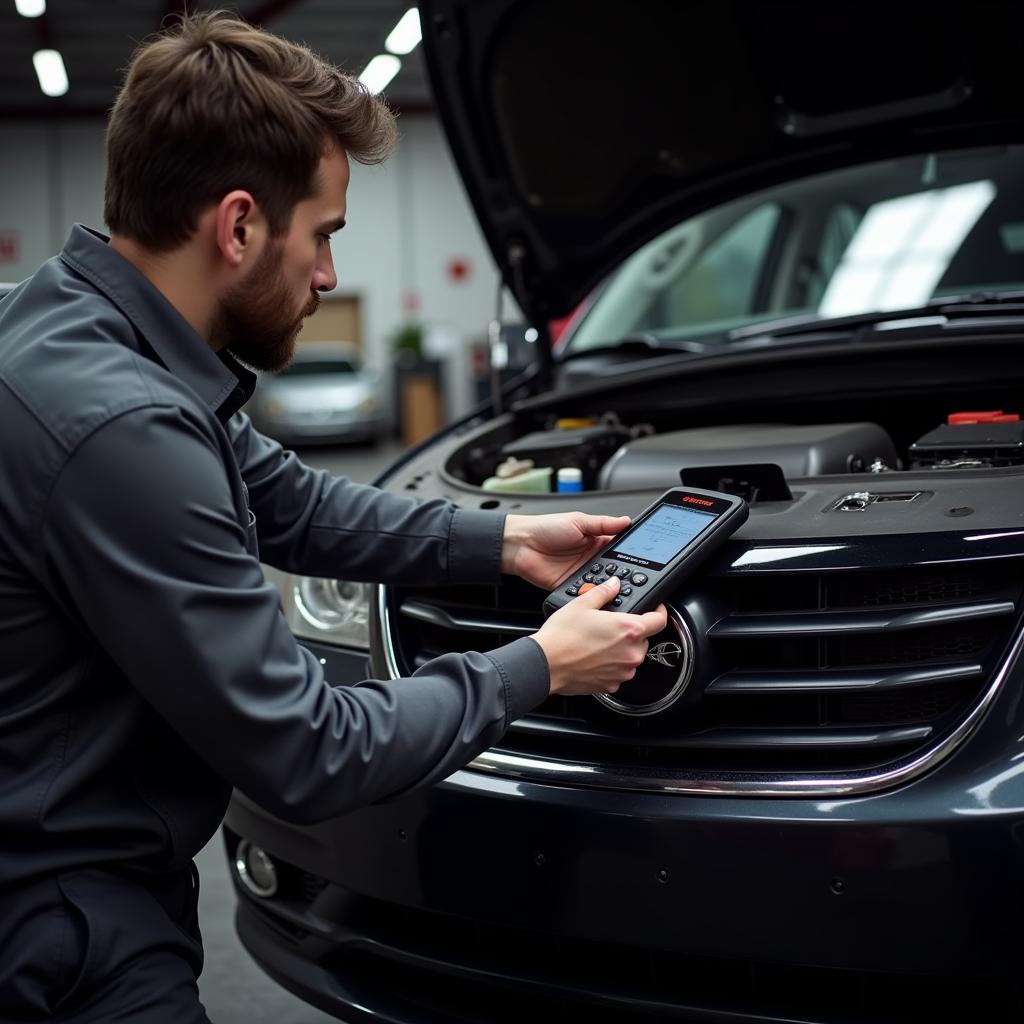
(661, 653)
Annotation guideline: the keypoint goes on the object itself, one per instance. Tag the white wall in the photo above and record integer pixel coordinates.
(407, 219)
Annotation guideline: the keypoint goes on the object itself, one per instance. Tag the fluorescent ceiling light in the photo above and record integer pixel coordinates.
(380, 71)
(49, 65)
(30, 8)
(405, 36)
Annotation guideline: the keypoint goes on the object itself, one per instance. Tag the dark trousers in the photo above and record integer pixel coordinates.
(92, 946)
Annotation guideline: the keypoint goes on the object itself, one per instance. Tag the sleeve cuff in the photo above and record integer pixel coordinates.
(474, 546)
(524, 671)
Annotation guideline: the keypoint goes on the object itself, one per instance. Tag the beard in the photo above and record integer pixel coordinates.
(253, 323)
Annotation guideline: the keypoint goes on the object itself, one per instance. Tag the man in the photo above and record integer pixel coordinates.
(145, 667)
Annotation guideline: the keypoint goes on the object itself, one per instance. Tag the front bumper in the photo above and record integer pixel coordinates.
(345, 426)
(484, 893)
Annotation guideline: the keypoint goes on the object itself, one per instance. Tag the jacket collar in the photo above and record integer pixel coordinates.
(218, 378)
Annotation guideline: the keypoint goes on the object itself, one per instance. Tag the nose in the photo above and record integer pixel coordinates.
(324, 277)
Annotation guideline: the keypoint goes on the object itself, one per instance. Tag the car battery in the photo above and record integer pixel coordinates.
(989, 440)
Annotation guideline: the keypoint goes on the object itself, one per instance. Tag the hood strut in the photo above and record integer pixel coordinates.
(496, 343)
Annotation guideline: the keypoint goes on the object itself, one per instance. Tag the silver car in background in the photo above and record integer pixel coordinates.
(325, 395)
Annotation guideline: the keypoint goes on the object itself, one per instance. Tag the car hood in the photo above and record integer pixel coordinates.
(583, 128)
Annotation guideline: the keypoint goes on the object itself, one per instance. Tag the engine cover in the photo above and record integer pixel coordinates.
(800, 451)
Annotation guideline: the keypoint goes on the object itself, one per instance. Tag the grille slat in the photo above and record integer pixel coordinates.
(535, 725)
(824, 738)
(436, 615)
(735, 739)
(796, 675)
(843, 623)
(837, 680)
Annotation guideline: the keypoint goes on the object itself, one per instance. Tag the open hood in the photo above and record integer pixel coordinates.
(583, 128)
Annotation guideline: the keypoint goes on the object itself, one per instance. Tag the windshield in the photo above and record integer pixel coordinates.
(882, 236)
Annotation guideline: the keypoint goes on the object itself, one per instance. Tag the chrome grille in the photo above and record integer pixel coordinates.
(798, 674)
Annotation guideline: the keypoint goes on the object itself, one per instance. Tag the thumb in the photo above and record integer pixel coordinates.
(600, 595)
(602, 525)
(655, 621)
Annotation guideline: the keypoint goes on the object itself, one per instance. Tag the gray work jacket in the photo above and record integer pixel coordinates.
(145, 665)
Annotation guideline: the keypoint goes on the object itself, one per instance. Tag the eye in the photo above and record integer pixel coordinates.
(323, 238)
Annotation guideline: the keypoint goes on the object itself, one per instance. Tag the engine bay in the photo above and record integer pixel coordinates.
(823, 441)
(755, 461)
(761, 424)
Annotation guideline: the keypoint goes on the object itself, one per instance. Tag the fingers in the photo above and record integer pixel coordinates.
(600, 595)
(593, 545)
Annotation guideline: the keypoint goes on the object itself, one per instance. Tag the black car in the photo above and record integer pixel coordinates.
(794, 237)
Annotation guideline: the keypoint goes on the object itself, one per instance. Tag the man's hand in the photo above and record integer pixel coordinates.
(590, 650)
(544, 550)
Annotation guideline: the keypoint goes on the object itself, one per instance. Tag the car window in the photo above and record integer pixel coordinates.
(883, 236)
(841, 223)
(317, 367)
(722, 280)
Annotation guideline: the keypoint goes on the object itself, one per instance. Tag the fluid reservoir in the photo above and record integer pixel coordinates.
(519, 475)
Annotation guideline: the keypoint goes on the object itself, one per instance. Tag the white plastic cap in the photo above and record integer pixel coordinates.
(513, 467)
(570, 475)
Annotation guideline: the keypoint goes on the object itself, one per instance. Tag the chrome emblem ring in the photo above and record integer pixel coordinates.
(664, 675)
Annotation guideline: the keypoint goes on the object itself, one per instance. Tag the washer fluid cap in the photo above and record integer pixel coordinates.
(513, 467)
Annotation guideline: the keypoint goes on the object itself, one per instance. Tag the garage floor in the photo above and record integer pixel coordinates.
(232, 987)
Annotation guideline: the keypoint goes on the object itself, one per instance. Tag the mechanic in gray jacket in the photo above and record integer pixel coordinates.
(145, 666)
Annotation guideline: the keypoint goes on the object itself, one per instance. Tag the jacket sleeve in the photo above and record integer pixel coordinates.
(316, 524)
(141, 542)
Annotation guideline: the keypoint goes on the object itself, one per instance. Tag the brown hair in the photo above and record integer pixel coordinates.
(213, 104)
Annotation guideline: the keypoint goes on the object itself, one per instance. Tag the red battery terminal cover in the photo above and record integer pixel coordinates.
(993, 416)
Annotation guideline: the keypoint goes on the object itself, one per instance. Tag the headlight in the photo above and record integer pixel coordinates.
(332, 611)
(368, 403)
(331, 604)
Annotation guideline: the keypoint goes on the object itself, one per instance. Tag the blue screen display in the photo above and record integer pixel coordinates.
(665, 533)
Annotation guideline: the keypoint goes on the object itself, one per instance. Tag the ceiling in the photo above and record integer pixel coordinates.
(96, 39)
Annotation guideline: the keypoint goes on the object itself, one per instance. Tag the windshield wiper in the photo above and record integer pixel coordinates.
(945, 311)
(643, 344)
(936, 312)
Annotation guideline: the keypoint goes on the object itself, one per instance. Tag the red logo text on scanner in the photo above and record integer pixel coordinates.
(697, 501)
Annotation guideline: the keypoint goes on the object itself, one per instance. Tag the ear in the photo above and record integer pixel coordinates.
(240, 226)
